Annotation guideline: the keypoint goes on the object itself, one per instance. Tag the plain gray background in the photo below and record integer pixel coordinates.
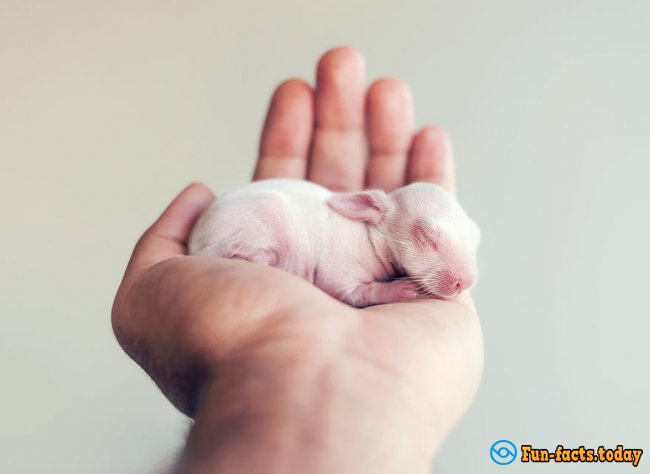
(108, 108)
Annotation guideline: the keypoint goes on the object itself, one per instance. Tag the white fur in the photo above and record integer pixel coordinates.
(349, 245)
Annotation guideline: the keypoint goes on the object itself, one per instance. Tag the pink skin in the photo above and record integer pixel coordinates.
(364, 248)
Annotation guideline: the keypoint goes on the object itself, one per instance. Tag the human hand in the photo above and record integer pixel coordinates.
(228, 340)
(359, 140)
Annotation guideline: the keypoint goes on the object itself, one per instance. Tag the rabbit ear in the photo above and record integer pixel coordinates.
(364, 206)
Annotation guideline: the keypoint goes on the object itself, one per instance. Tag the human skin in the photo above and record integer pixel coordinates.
(278, 376)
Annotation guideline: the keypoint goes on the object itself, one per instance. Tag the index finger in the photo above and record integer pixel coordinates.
(168, 236)
(287, 132)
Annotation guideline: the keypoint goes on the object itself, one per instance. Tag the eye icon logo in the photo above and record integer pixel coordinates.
(503, 452)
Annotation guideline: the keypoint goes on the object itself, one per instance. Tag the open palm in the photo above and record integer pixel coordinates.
(189, 319)
(367, 140)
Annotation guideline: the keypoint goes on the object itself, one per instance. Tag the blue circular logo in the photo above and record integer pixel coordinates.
(503, 452)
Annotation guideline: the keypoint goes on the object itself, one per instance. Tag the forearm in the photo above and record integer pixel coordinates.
(322, 414)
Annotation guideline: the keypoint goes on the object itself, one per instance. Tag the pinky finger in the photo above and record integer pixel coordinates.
(431, 159)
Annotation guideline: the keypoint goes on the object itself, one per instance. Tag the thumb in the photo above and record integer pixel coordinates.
(168, 236)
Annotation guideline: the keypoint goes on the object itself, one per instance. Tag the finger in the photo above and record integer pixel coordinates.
(431, 159)
(287, 132)
(168, 236)
(389, 116)
(339, 149)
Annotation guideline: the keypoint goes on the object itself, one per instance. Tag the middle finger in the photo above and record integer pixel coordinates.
(339, 150)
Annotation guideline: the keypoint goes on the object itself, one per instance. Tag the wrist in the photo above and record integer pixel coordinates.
(307, 407)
